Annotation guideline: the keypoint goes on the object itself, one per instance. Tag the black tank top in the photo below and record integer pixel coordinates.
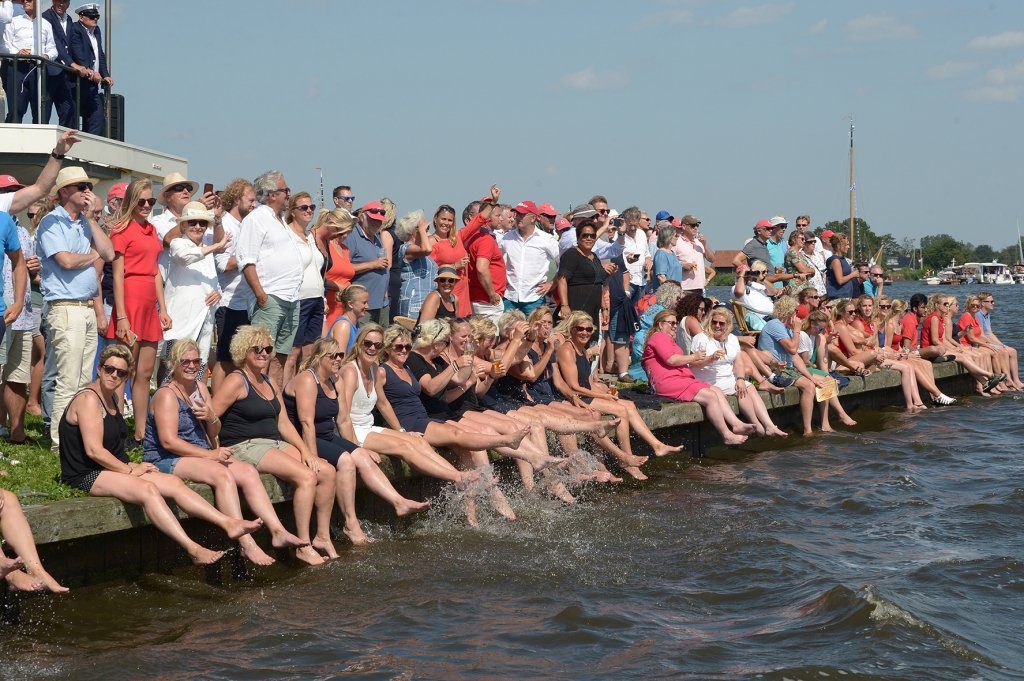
(74, 462)
(404, 397)
(250, 417)
(582, 369)
(442, 311)
(324, 414)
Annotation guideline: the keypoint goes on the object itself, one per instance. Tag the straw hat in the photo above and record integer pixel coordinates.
(72, 175)
(194, 210)
(173, 179)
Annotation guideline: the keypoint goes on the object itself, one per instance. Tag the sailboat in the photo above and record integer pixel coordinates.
(1018, 269)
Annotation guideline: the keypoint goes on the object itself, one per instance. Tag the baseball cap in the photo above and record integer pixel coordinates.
(547, 209)
(691, 221)
(778, 220)
(374, 210)
(584, 210)
(524, 207)
(762, 223)
(676, 222)
(828, 234)
(662, 215)
(117, 191)
(561, 224)
(10, 182)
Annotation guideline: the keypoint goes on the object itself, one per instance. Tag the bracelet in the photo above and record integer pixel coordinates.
(59, 157)
(120, 318)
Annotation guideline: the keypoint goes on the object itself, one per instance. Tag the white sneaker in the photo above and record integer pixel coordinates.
(943, 399)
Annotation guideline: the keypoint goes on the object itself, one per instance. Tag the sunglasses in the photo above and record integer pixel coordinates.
(589, 235)
(196, 223)
(335, 355)
(849, 312)
(372, 345)
(348, 199)
(31, 216)
(262, 349)
(189, 362)
(671, 323)
(884, 307)
(375, 214)
(114, 371)
(718, 322)
(604, 211)
(83, 186)
(305, 208)
(446, 280)
(286, 190)
(401, 347)
(585, 329)
(815, 297)
(141, 203)
(180, 188)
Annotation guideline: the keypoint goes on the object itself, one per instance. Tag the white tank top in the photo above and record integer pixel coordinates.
(363, 404)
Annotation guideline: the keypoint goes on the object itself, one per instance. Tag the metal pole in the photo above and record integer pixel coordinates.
(37, 48)
(107, 106)
(852, 188)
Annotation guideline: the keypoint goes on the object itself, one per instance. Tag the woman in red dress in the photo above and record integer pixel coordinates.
(136, 320)
(331, 231)
(448, 249)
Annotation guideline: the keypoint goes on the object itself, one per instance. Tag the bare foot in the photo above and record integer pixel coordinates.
(635, 472)
(633, 461)
(286, 540)
(8, 565)
(824, 429)
(467, 478)
(664, 449)
(605, 427)
(49, 583)
(501, 505)
(744, 428)
(22, 581)
(408, 507)
(558, 491)
(606, 476)
(240, 528)
(34, 409)
(544, 462)
(777, 432)
(734, 439)
(309, 555)
(255, 555)
(204, 556)
(355, 535)
(847, 421)
(326, 546)
(516, 437)
(770, 387)
(470, 507)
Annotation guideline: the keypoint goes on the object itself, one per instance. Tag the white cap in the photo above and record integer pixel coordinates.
(778, 220)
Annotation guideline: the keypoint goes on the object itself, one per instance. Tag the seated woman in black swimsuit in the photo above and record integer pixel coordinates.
(580, 387)
(442, 303)
(258, 432)
(92, 458)
(407, 405)
(311, 400)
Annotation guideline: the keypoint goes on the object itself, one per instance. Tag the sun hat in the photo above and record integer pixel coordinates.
(72, 175)
(446, 271)
(172, 179)
(117, 191)
(10, 182)
(194, 210)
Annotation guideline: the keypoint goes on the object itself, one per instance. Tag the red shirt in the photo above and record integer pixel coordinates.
(483, 245)
(926, 330)
(140, 247)
(907, 329)
(967, 322)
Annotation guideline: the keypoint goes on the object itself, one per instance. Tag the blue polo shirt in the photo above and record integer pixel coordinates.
(777, 252)
(984, 321)
(362, 249)
(771, 334)
(10, 243)
(58, 232)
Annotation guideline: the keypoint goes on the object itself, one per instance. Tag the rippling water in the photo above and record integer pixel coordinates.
(894, 551)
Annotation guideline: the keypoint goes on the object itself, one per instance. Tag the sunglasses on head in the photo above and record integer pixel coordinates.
(372, 345)
(146, 202)
(262, 349)
(114, 371)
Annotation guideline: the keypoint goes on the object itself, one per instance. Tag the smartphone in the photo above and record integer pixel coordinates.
(197, 398)
(207, 188)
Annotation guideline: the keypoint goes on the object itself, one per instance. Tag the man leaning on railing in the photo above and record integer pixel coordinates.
(90, 61)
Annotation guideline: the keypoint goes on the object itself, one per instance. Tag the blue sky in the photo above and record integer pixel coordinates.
(731, 111)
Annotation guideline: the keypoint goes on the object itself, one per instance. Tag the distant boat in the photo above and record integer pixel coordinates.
(989, 272)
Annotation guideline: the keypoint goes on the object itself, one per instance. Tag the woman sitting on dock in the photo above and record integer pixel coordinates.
(311, 400)
(969, 334)
(891, 329)
(935, 344)
(728, 370)
(24, 572)
(669, 370)
(814, 350)
(181, 440)
(257, 429)
(93, 435)
(581, 387)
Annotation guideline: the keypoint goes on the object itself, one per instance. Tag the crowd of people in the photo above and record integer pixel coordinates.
(307, 343)
(75, 74)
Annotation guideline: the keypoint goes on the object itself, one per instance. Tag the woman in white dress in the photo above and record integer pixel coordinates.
(728, 369)
(191, 288)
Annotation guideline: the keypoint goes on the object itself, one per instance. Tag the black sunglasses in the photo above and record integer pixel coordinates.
(305, 208)
(114, 371)
(180, 188)
(401, 347)
(372, 345)
(83, 186)
(146, 202)
(262, 349)
(196, 223)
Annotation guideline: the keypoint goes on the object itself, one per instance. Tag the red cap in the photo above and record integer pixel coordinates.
(10, 182)
(548, 209)
(524, 207)
(374, 210)
(676, 222)
(487, 199)
(117, 191)
(763, 223)
(561, 224)
(828, 234)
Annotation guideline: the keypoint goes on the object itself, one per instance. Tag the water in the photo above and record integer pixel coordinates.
(894, 552)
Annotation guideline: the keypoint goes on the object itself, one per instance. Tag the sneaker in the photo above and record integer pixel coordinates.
(780, 381)
(943, 399)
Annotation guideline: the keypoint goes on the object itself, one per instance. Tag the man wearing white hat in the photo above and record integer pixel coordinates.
(176, 192)
(68, 246)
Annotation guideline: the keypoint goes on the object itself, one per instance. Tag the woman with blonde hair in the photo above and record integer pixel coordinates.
(139, 317)
(299, 217)
(257, 429)
(581, 387)
(93, 435)
(182, 440)
(331, 230)
(354, 301)
(936, 342)
(311, 400)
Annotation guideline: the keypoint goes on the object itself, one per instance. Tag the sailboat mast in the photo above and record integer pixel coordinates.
(853, 188)
(1020, 249)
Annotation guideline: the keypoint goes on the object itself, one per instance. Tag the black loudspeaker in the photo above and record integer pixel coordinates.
(115, 104)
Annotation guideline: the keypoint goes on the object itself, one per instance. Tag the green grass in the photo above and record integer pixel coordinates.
(31, 471)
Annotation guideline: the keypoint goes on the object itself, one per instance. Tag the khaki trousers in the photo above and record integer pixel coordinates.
(73, 336)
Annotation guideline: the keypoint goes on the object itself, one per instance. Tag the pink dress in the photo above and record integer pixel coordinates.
(677, 383)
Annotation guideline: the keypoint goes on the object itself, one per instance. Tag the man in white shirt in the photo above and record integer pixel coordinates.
(529, 253)
(19, 38)
(238, 199)
(634, 248)
(272, 266)
(599, 212)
